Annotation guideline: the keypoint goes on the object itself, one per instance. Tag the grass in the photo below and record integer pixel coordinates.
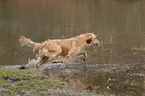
(135, 49)
(15, 81)
(32, 83)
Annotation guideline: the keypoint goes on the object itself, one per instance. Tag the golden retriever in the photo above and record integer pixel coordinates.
(61, 47)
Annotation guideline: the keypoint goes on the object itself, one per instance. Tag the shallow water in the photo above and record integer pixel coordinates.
(119, 23)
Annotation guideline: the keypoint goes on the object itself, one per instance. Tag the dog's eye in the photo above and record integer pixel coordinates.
(88, 41)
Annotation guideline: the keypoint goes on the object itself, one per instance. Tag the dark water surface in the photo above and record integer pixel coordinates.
(112, 67)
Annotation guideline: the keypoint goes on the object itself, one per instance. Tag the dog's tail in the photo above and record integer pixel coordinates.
(30, 43)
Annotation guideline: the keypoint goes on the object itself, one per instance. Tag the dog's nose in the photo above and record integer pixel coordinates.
(97, 42)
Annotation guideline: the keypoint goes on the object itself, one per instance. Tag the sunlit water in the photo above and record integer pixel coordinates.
(113, 66)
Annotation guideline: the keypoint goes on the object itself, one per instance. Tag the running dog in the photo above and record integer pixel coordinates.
(61, 47)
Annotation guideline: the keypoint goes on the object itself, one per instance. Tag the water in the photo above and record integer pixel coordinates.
(119, 23)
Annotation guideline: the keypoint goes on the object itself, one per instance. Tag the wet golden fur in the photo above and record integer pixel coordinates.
(65, 47)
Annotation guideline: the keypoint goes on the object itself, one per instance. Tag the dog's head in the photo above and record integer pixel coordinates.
(91, 39)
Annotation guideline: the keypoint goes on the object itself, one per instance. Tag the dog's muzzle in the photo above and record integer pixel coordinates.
(96, 42)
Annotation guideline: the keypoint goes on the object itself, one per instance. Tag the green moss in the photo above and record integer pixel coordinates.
(131, 83)
(19, 81)
(30, 83)
(135, 49)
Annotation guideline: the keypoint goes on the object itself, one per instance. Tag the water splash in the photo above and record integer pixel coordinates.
(47, 65)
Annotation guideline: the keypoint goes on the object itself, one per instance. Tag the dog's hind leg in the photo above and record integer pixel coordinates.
(72, 53)
(42, 60)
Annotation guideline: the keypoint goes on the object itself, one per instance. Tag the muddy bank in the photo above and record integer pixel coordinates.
(120, 80)
(98, 79)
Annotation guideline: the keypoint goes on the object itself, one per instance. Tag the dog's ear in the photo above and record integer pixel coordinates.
(88, 41)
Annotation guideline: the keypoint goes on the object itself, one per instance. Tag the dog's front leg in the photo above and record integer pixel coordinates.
(66, 62)
(72, 53)
(84, 53)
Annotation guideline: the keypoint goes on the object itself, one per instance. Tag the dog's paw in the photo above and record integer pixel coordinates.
(37, 66)
(84, 59)
(57, 61)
